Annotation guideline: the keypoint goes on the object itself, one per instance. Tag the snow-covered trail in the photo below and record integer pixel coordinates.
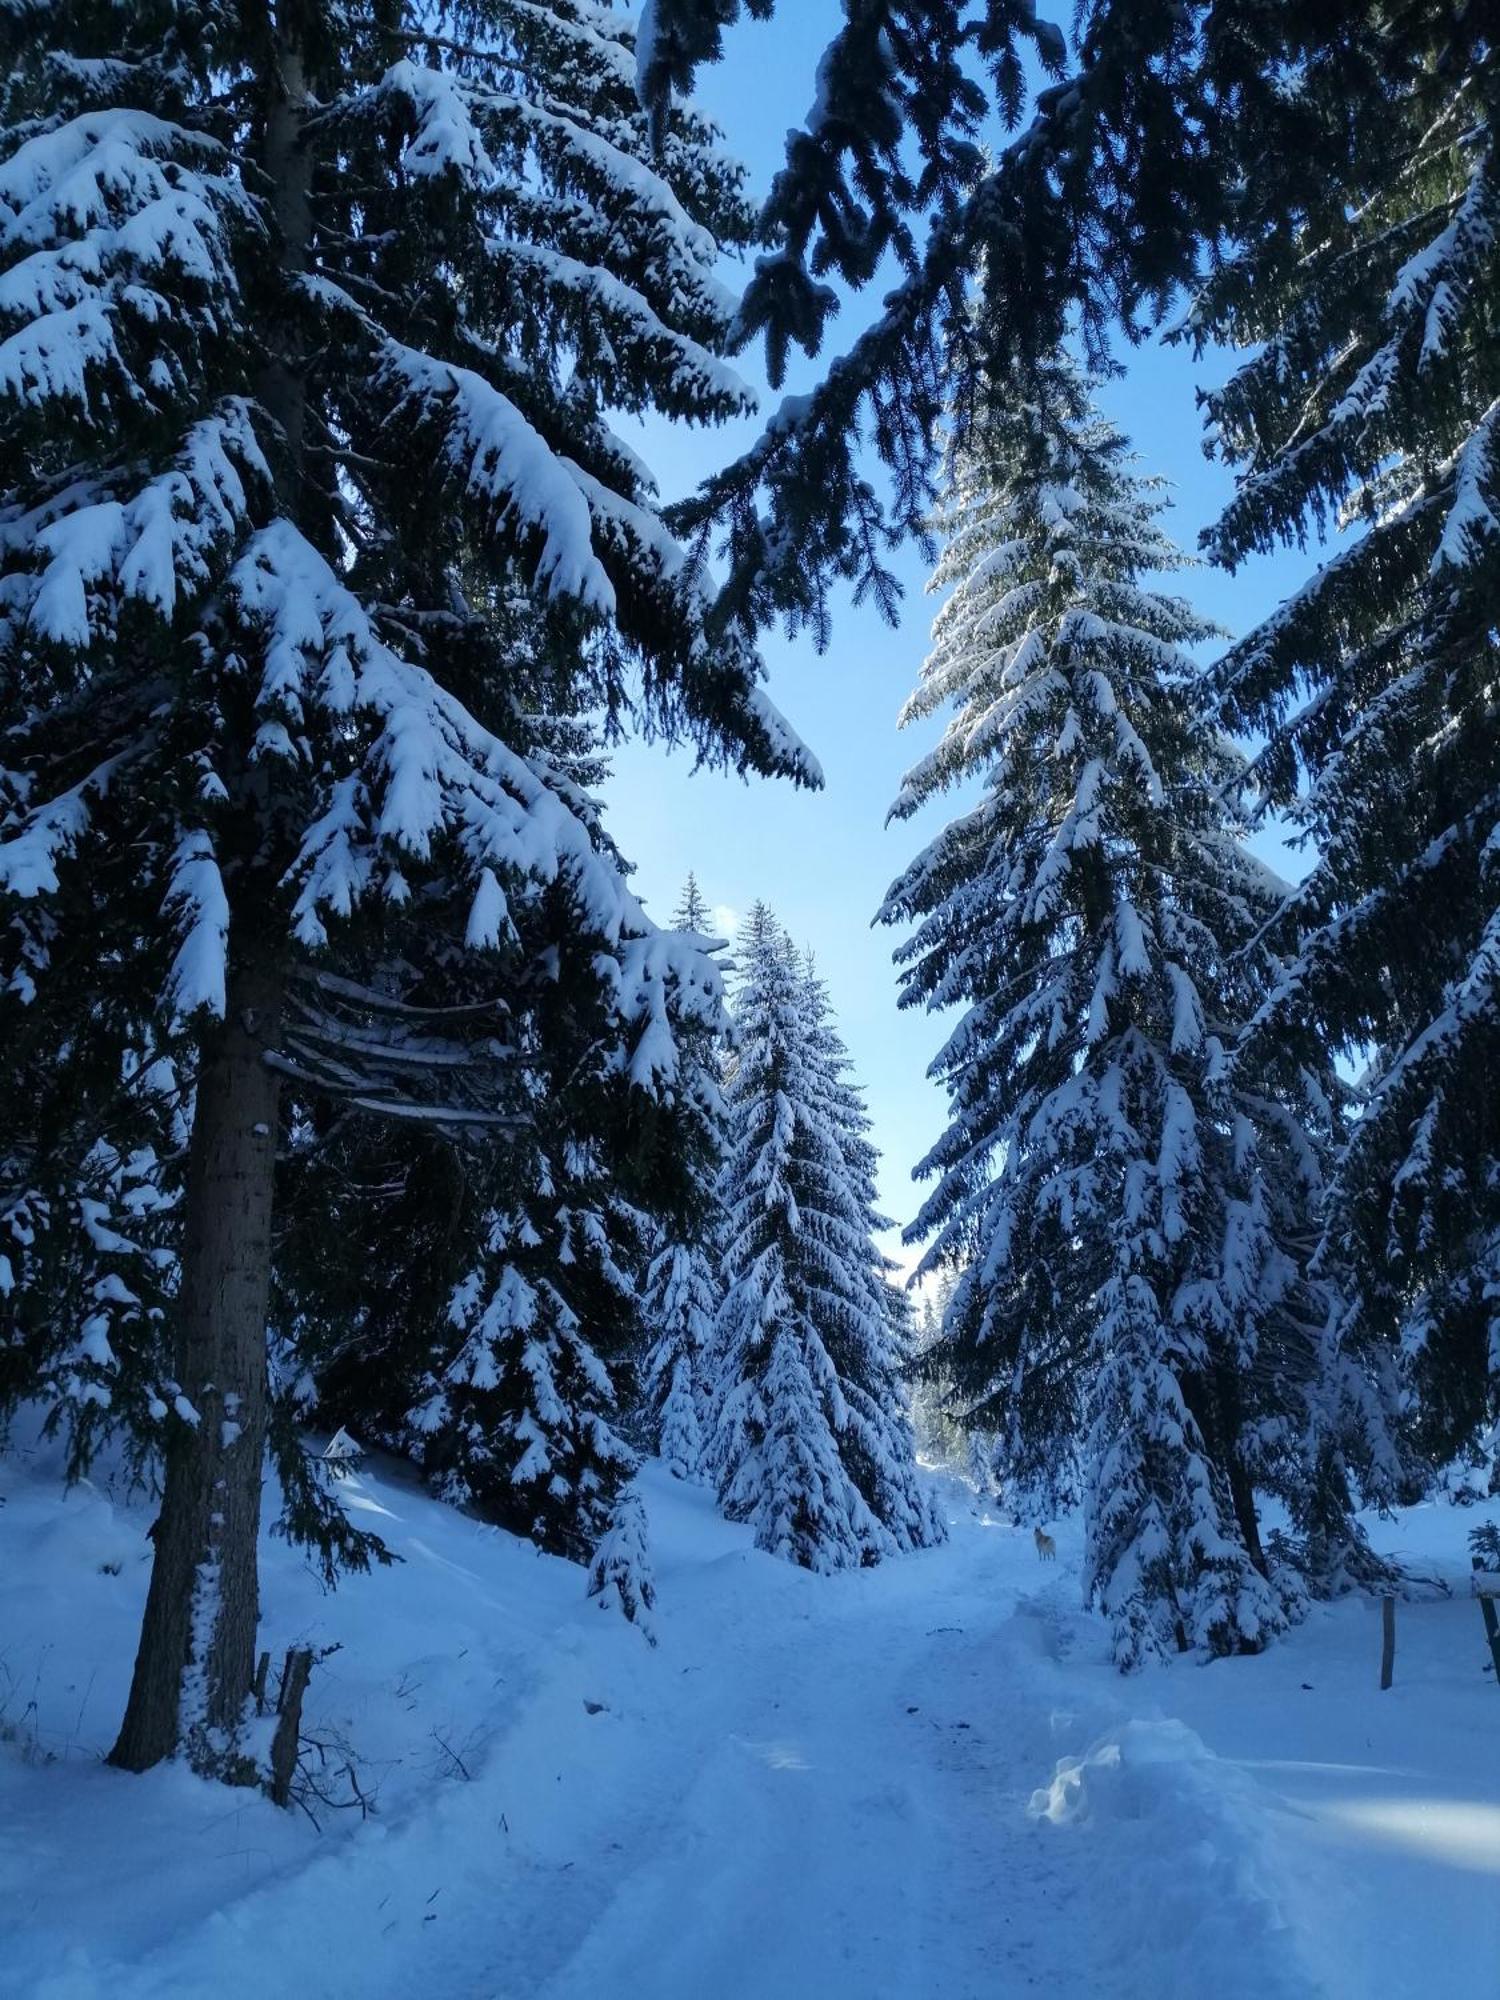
(921, 1780)
(814, 1787)
(853, 1802)
(838, 1820)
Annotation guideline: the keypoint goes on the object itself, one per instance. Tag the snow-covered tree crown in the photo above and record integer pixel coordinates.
(312, 521)
(812, 1439)
(260, 434)
(1372, 403)
(1066, 677)
(1127, 1213)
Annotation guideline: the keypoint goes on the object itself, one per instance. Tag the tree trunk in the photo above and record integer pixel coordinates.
(1214, 1404)
(282, 389)
(196, 1663)
(195, 1669)
(1242, 1494)
(1241, 1486)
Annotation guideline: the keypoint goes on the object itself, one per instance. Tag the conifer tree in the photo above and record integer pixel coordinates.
(680, 1304)
(682, 1286)
(517, 1412)
(309, 323)
(810, 1444)
(1373, 402)
(620, 1575)
(484, 1311)
(871, 1339)
(1126, 1214)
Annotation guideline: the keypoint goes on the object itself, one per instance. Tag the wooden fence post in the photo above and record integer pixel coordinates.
(1387, 1640)
(294, 1679)
(1487, 1612)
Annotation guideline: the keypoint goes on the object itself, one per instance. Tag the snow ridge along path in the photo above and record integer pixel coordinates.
(923, 1779)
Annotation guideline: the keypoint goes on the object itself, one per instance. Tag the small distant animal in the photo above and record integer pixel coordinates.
(1046, 1548)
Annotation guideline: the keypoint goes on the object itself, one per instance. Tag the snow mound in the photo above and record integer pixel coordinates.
(1204, 1897)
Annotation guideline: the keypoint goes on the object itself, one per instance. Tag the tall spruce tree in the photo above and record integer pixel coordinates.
(309, 324)
(1127, 1214)
(681, 1304)
(1373, 403)
(872, 1343)
(482, 1310)
(808, 1443)
(682, 1287)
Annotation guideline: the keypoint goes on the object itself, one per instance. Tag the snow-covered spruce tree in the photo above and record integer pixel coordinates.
(481, 1310)
(778, 1409)
(679, 1309)
(620, 1575)
(870, 1337)
(517, 1406)
(85, 1332)
(308, 326)
(516, 1409)
(1373, 402)
(1126, 1215)
(682, 1286)
(804, 1451)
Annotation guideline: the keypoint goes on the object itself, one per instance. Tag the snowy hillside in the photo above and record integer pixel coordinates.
(923, 1779)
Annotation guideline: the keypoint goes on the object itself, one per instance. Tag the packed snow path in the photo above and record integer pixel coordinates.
(921, 1780)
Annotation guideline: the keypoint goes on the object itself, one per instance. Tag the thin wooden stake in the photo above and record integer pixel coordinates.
(1487, 1613)
(1387, 1640)
(294, 1679)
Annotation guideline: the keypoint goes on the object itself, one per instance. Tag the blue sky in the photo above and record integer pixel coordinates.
(823, 860)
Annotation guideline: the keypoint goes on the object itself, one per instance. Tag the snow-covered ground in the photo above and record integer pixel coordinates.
(922, 1780)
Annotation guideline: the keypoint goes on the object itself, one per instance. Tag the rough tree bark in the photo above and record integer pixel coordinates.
(1216, 1408)
(195, 1666)
(1232, 1457)
(196, 1661)
(1242, 1493)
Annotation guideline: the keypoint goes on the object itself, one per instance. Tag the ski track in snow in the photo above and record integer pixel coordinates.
(839, 1831)
(918, 1780)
